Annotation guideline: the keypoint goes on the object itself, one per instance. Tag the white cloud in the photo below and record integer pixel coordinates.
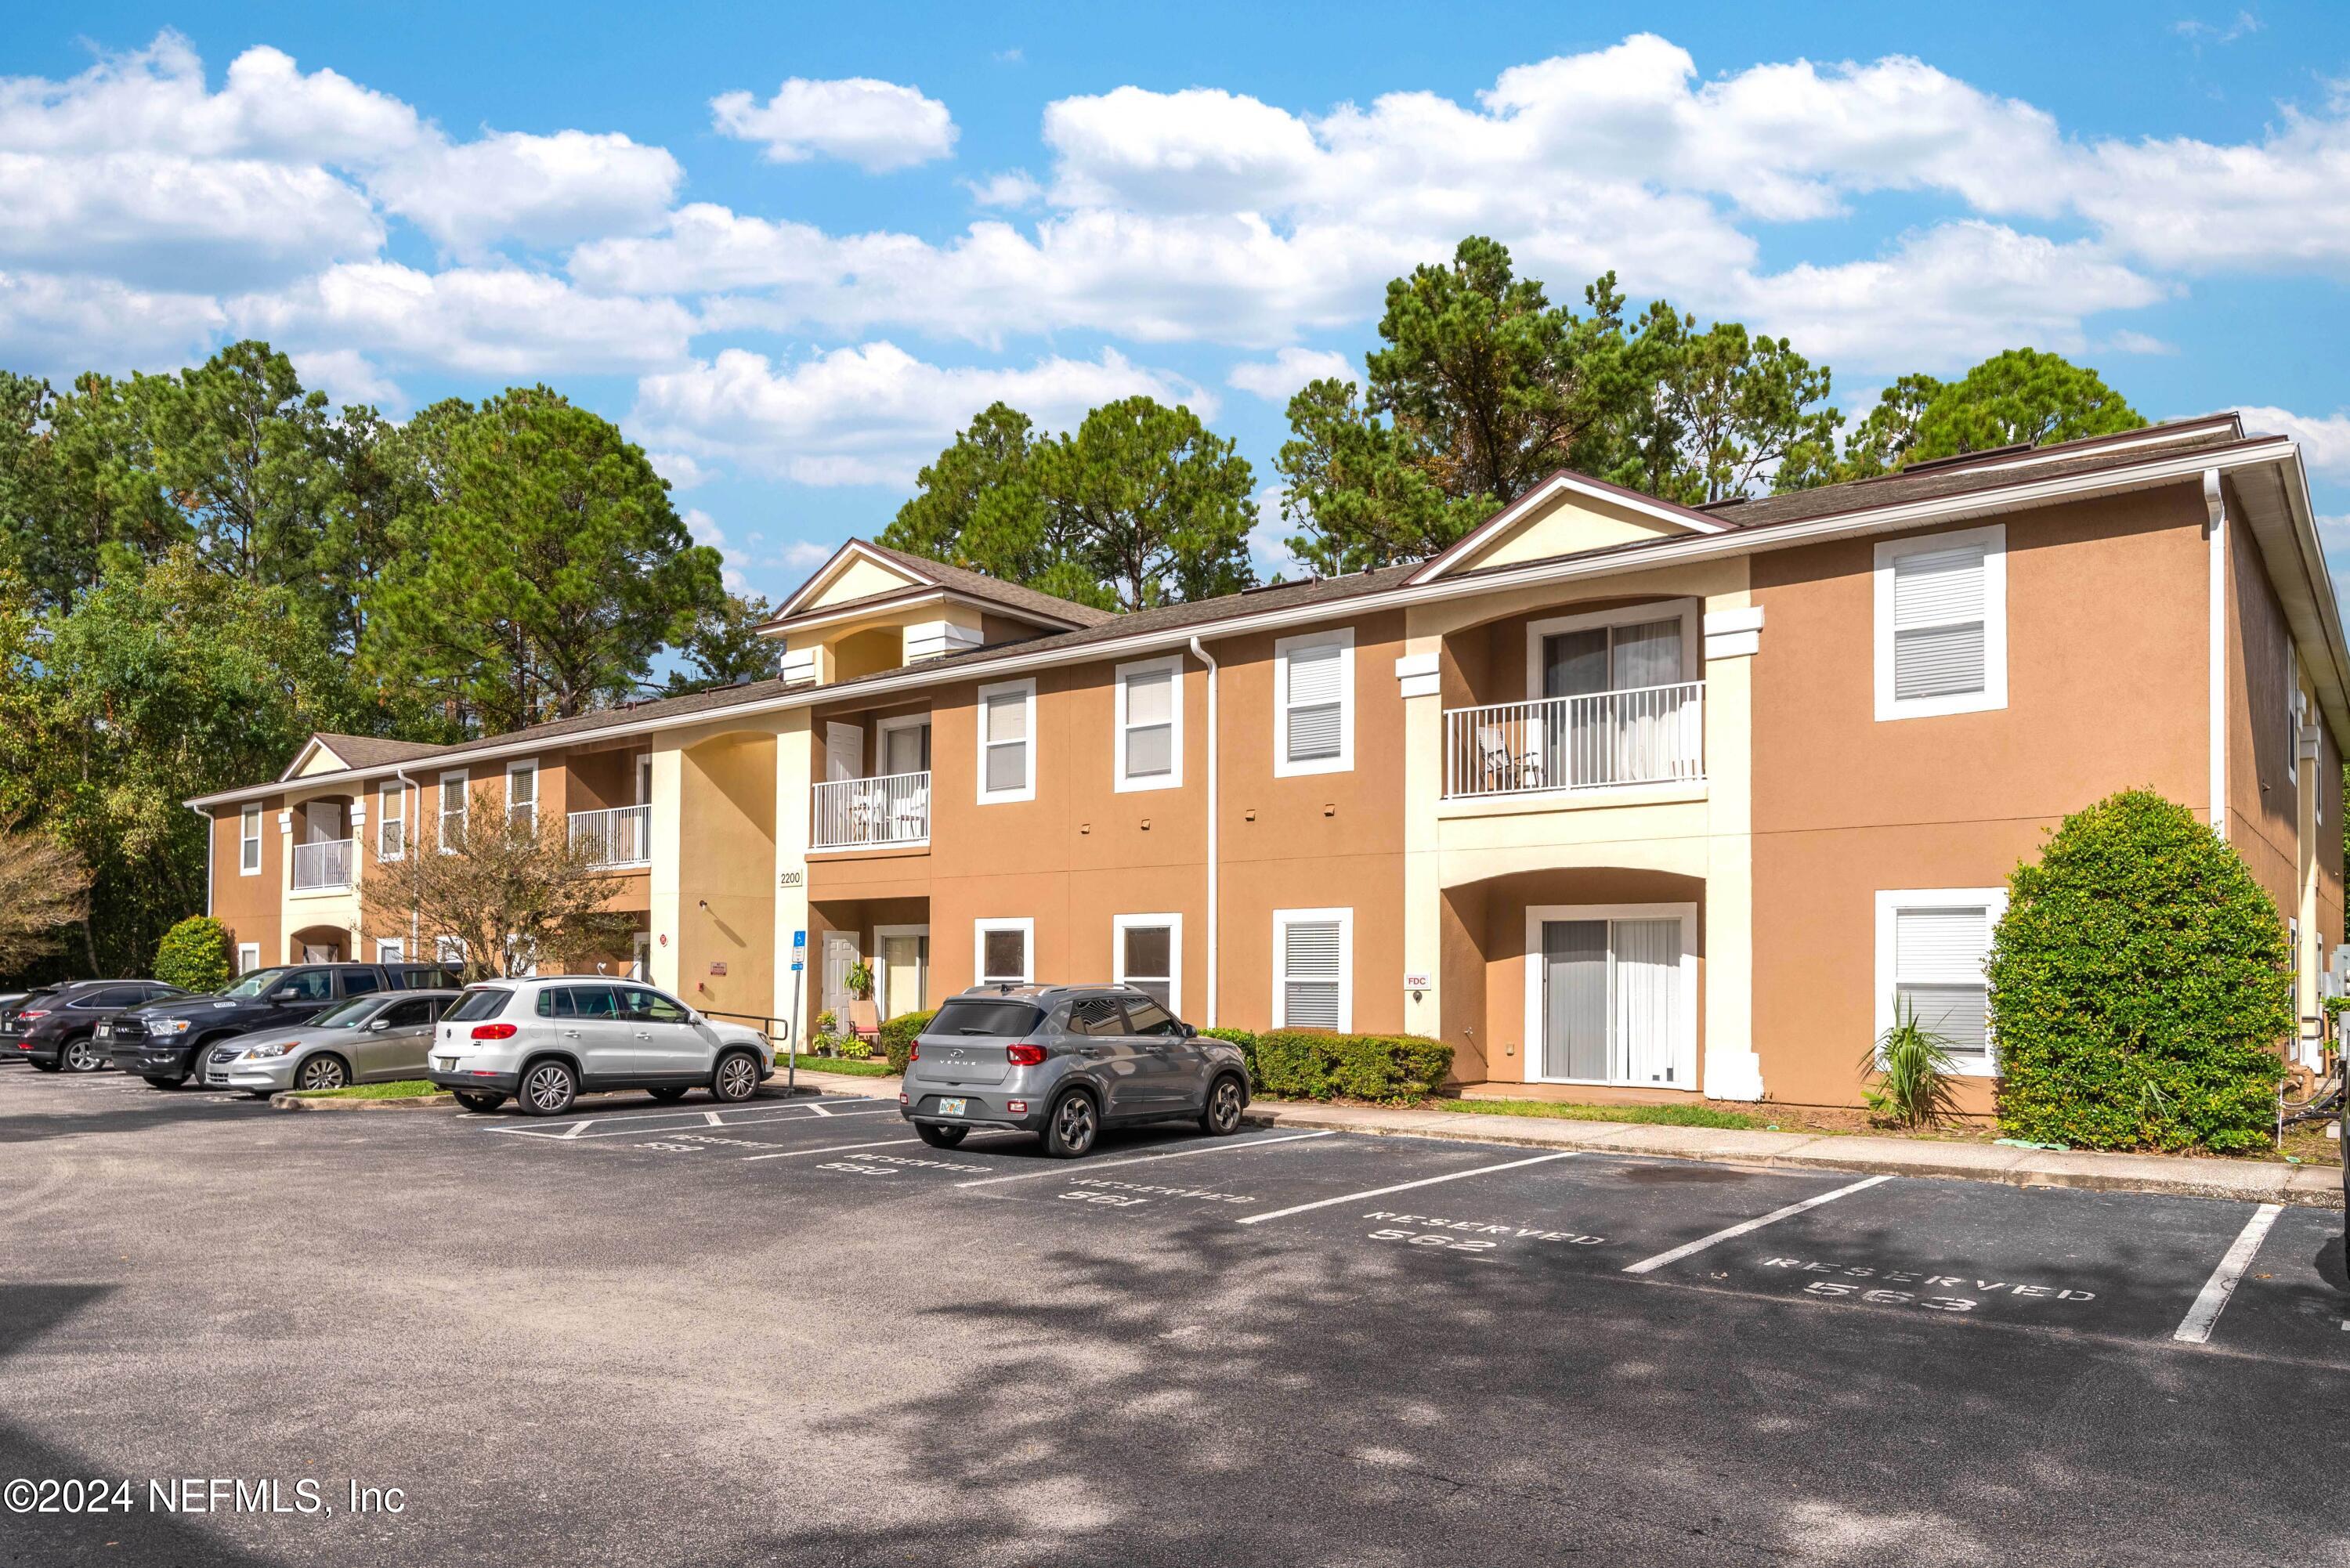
(681, 470)
(804, 555)
(346, 376)
(876, 125)
(1268, 541)
(544, 190)
(2324, 438)
(56, 326)
(1277, 381)
(705, 531)
(870, 414)
(1012, 188)
(494, 321)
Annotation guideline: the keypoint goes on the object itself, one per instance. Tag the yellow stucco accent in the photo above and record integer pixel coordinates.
(725, 863)
(860, 577)
(321, 760)
(1568, 525)
(795, 773)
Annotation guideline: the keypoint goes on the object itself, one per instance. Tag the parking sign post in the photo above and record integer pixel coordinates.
(792, 1035)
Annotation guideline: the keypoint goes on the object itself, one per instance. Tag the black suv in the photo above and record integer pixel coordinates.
(164, 1041)
(58, 1028)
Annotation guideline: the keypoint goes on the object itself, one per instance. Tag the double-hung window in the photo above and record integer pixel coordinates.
(391, 950)
(1007, 744)
(1930, 948)
(248, 957)
(1147, 952)
(248, 841)
(1941, 624)
(521, 793)
(1150, 724)
(391, 822)
(1314, 703)
(452, 811)
(1002, 951)
(1313, 968)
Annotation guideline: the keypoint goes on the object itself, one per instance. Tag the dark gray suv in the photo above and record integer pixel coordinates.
(1066, 1061)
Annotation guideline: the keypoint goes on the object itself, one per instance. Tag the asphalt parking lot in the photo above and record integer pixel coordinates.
(790, 1331)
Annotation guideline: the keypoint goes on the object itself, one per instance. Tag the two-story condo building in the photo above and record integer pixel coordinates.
(1617, 797)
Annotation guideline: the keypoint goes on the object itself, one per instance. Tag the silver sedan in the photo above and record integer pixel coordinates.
(378, 1039)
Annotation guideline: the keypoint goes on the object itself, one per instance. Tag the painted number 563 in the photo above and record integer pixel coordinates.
(1454, 1242)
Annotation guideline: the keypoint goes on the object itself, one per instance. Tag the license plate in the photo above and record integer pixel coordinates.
(955, 1107)
(447, 1063)
(106, 1032)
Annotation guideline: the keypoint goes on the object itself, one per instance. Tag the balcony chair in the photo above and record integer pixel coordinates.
(864, 1019)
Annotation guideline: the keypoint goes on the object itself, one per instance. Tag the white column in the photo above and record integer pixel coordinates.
(795, 773)
(667, 840)
(1421, 681)
(1733, 1070)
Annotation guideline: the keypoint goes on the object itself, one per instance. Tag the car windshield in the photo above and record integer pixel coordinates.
(475, 1005)
(349, 1015)
(253, 984)
(985, 1017)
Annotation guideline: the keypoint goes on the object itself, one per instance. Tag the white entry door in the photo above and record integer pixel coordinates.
(844, 751)
(904, 957)
(840, 952)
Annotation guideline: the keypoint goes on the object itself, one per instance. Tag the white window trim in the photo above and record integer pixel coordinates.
(441, 814)
(1172, 667)
(391, 806)
(250, 817)
(644, 779)
(881, 935)
(391, 950)
(1282, 920)
(1993, 539)
(449, 951)
(885, 728)
(1993, 903)
(1683, 610)
(1028, 790)
(1685, 999)
(1120, 924)
(1026, 924)
(248, 957)
(515, 769)
(1341, 637)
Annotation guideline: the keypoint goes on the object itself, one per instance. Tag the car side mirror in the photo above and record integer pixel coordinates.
(379, 1024)
(1190, 1031)
(285, 993)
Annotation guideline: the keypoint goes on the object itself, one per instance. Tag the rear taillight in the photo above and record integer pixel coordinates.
(493, 1030)
(34, 1013)
(1024, 1055)
(914, 1052)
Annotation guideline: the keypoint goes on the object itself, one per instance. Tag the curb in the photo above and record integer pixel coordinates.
(2312, 1187)
(286, 1100)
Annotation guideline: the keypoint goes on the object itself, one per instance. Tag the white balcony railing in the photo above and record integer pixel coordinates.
(325, 864)
(620, 836)
(1651, 734)
(864, 813)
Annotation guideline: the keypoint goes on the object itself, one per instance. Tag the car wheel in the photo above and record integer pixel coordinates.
(83, 1055)
(547, 1089)
(159, 1080)
(323, 1071)
(941, 1137)
(737, 1077)
(1222, 1115)
(674, 1092)
(473, 1100)
(1069, 1130)
(41, 1066)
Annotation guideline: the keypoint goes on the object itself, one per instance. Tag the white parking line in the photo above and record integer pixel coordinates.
(602, 1128)
(2204, 1315)
(1059, 1168)
(1689, 1247)
(788, 1105)
(884, 1142)
(1408, 1185)
(818, 1108)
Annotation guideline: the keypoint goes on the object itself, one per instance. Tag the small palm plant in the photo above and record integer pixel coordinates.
(1913, 1068)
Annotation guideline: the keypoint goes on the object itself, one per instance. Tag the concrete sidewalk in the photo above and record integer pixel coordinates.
(2240, 1180)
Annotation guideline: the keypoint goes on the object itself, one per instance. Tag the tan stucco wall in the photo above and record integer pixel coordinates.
(250, 906)
(2107, 675)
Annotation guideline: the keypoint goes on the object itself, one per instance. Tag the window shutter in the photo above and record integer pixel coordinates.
(1150, 724)
(1937, 623)
(1938, 963)
(1310, 974)
(1314, 702)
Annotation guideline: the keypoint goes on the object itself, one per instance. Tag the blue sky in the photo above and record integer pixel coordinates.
(791, 252)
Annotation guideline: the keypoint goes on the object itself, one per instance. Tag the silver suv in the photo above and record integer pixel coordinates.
(543, 1043)
(1066, 1061)
(379, 1038)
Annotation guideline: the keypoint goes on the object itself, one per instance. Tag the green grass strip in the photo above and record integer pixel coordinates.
(1664, 1115)
(871, 1067)
(407, 1089)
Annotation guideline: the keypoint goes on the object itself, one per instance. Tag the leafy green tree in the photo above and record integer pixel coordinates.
(978, 505)
(1354, 494)
(2023, 395)
(725, 647)
(235, 444)
(1729, 410)
(77, 489)
(1158, 506)
(2141, 986)
(1490, 386)
(552, 571)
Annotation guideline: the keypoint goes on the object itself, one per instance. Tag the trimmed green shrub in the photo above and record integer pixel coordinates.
(2140, 986)
(898, 1036)
(193, 955)
(1316, 1064)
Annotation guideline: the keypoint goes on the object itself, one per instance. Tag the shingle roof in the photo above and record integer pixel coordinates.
(368, 750)
(979, 585)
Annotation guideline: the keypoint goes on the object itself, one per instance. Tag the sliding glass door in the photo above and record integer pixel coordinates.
(1612, 995)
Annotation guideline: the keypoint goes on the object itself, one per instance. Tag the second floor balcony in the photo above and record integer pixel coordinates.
(618, 838)
(1608, 740)
(324, 864)
(889, 811)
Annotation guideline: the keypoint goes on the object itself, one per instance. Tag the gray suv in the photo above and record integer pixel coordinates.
(1066, 1061)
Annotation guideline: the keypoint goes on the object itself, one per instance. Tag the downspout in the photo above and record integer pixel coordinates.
(407, 846)
(2215, 502)
(211, 827)
(1200, 653)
